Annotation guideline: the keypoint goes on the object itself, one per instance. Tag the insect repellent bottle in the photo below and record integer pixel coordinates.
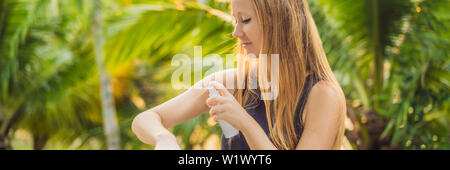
(228, 130)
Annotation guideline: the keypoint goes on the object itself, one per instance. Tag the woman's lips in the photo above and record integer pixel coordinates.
(246, 44)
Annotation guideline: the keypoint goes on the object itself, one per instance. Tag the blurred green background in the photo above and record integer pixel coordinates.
(391, 58)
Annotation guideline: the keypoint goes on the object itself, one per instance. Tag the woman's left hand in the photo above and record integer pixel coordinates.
(226, 107)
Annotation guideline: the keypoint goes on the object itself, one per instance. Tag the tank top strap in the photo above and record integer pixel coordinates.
(310, 81)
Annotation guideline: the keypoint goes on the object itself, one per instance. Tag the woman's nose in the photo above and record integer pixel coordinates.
(237, 33)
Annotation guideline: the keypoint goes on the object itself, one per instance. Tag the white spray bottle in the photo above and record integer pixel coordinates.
(228, 130)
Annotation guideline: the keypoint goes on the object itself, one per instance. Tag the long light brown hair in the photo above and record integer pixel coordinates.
(288, 29)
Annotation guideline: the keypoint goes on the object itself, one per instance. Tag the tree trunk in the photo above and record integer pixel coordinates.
(108, 107)
(39, 142)
(378, 53)
(6, 126)
(4, 143)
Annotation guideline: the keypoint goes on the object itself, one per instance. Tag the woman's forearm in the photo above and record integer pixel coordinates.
(148, 128)
(255, 135)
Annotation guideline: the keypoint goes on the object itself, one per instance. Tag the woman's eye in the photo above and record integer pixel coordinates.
(246, 21)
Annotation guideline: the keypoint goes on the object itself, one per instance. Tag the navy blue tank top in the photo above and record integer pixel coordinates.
(258, 113)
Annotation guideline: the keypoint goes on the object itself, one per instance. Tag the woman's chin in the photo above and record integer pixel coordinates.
(252, 52)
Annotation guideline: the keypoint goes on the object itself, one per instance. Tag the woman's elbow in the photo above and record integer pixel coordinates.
(134, 124)
(137, 129)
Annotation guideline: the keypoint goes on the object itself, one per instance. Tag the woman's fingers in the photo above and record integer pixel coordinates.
(220, 88)
(216, 100)
(218, 103)
(216, 109)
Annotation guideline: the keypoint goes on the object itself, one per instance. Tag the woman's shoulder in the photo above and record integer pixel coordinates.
(326, 97)
(328, 88)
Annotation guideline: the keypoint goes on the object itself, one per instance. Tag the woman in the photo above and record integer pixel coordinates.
(309, 110)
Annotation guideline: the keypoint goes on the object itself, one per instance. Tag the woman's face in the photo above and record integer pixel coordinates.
(247, 28)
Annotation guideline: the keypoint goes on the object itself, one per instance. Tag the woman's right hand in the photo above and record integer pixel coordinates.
(168, 142)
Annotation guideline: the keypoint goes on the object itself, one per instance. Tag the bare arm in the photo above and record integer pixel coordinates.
(151, 125)
(148, 128)
(324, 118)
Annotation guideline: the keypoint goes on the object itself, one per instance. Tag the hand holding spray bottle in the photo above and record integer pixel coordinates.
(228, 130)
